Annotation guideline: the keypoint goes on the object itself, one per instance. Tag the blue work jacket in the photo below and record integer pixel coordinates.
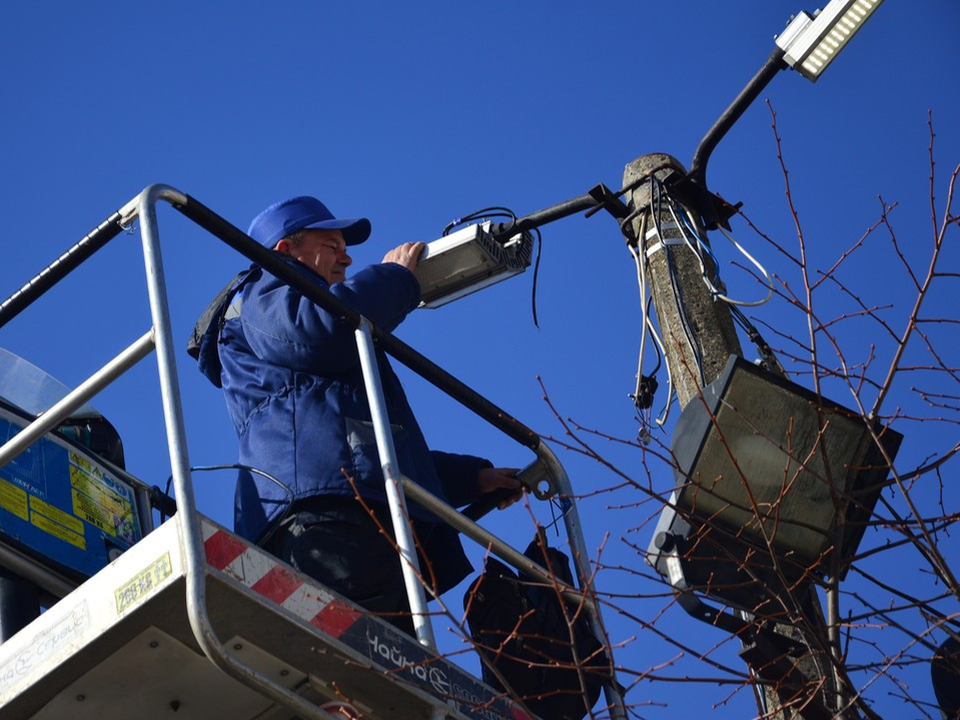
(291, 376)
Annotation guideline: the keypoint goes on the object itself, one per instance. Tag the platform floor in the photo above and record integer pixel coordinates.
(121, 646)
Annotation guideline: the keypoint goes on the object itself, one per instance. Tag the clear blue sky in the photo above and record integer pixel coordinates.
(413, 114)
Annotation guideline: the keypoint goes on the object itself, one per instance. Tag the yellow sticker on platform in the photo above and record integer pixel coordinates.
(144, 583)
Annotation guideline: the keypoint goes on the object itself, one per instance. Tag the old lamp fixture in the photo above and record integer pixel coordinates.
(774, 484)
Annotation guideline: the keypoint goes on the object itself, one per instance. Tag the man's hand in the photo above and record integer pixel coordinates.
(407, 255)
(490, 479)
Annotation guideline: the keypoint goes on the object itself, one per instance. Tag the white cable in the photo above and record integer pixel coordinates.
(687, 333)
(642, 283)
(682, 226)
(671, 203)
(648, 327)
(643, 309)
(692, 224)
(758, 266)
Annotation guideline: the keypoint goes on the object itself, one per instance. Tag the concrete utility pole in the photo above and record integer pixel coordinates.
(699, 335)
(702, 320)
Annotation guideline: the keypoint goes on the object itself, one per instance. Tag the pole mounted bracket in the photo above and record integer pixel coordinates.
(772, 662)
(691, 190)
(772, 656)
(607, 200)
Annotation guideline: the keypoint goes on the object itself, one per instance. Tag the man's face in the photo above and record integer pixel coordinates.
(324, 251)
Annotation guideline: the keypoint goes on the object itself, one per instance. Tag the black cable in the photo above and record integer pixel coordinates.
(536, 274)
(767, 356)
(656, 200)
(656, 347)
(494, 211)
(648, 385)
(248, 468)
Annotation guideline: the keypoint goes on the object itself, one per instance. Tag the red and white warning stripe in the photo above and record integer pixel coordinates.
(269, 578)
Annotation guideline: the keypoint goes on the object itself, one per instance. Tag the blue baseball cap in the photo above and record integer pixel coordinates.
(299, 213)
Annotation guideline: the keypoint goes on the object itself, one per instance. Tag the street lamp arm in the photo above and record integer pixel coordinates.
(691, 189)
(774, 64)
(599, 197)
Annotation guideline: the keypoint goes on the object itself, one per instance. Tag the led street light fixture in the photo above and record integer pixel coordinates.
(811, 44)
(468, 260)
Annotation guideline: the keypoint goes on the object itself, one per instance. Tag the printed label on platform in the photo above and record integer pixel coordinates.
(144, 583)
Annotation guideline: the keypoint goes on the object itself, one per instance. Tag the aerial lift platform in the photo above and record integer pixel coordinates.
(121, 645)
(187, 619)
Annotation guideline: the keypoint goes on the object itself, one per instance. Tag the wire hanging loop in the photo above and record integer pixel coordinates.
(695, 239)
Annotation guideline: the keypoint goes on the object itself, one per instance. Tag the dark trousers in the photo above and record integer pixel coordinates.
(336, 541)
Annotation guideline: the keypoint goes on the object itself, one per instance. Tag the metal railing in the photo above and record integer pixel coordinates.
(546, 469)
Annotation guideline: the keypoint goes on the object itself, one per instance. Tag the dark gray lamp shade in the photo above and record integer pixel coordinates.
(777, 466)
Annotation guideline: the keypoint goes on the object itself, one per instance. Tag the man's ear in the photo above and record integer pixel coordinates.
(283, 246)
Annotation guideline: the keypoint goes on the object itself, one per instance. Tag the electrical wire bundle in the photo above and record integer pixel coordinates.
(673, 236)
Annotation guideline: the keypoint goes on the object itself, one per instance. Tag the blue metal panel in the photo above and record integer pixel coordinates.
(62, 506)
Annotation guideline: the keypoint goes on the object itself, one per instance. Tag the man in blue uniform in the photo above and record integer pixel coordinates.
(291, 377)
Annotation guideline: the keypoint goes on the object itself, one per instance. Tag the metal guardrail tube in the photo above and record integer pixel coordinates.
(369, 337)
(571, 515)
(76, 398)
(467, 397)
(484, 538)
(505, 552)
(187, 517)
(428, 370)
(409, 563)
(27, 568)
(581, 562)
(60, 268)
